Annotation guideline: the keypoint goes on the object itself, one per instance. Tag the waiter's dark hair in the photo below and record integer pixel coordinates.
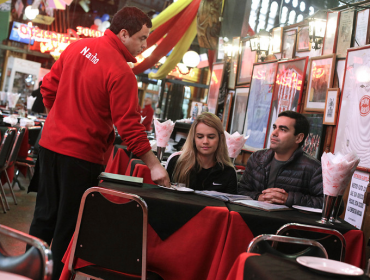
(130, 18)
(301, 123)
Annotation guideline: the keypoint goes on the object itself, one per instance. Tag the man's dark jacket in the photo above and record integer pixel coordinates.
(300, 177)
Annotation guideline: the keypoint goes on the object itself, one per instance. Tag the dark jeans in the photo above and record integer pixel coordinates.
(61, 182)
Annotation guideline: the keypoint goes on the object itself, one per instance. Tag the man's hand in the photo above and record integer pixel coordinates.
(160, 176)
(274, 195)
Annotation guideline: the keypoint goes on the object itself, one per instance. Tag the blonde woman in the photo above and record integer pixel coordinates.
(204, 163)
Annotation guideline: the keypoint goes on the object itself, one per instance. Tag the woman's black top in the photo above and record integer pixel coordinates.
(215, 178)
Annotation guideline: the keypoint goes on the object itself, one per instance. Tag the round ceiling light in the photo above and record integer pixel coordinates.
(31, 13)
(191, 59)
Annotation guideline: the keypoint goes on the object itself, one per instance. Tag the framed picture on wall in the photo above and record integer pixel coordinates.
(227, 108)
(353, 127)
(288, 89)
(331, 32)
(289, 41)
(345, 32)
(245, 65)
(320, 78)
(259, 104)
(331, 106)
(239, 110)
(340, 72)
(214, 87)
(277, 39)
(362, 28)
(313, 143)
(303, 39)
(234, 63)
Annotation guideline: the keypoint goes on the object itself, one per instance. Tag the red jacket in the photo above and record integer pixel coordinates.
(147, 112)
(90, 88)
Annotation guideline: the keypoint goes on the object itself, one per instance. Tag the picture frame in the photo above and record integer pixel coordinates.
(259, 104)
(289, 41)
(277, 39)
(214, 87)
(331, 106)
(344, 40)
(245, 65)
(353, 122)
(362, 28)
(288, 90)
(303, 39)
(227, 108)
(239, 109)
(315, 139)
(339, 70)
(320, 78)
(234, 63)
(331, 33)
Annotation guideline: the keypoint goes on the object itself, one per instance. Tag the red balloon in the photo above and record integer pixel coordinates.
(94, 27)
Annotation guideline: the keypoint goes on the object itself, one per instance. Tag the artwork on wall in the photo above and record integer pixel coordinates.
(214, 87)
(362, 28)
(320, 78)
(312, 144)
(340, 72)
(259, 104)
(234, 62)
(245, 65)
(239, 109)
(277, 39)
(345, 32)
(226, 115)
(289, 41)
(353, 128)
(331, 106)
(331, 33)
(303, 39)
(290, 76)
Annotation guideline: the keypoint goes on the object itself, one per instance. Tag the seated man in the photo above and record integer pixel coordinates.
(284, 174)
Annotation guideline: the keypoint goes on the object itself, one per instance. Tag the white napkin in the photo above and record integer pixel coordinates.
(153, 145)
(26, 122)
(337, 171)
(30, 101)
(12, 120)
(13, 99)
(3, 96)
(235, 143)
(163, 132)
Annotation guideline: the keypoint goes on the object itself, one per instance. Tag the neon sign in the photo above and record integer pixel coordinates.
(289, 81)
(318, 71)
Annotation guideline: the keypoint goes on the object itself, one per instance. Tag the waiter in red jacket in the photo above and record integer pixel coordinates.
(89, 88)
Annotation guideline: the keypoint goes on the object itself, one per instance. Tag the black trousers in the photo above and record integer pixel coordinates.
(61, 181)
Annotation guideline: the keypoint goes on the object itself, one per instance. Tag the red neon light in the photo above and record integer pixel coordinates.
(292, 81)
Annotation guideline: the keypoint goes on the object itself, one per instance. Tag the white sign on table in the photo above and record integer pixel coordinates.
(355, 207)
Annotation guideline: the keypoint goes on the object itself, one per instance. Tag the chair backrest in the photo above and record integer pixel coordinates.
(109, 234)
(7, 145)
(33, 134)
(17, 145)
(332, 240)
(36, 146)
(266, 243)
(36, 263)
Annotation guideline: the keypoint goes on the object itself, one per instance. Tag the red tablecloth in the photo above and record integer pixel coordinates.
(117, 164)
(237, 270)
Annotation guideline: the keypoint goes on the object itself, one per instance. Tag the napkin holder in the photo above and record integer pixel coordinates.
(121, 179)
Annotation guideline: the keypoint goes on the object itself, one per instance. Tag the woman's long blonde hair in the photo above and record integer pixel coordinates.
(189, 158)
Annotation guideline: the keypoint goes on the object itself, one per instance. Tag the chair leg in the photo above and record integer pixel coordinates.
(2, 203)
(10, 188)
(15, 180)
(3, 195)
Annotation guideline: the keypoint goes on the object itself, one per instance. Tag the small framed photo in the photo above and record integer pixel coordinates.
(362, 28)
(289, 44)
(331, 106)
(321, 73)
(331, 33)
(227, 108)
(277, 39)
(234, 63)
(245, 65)
(303, 39)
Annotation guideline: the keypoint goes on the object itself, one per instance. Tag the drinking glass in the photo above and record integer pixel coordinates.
(327, 209)
(334, 214)
(160, 152)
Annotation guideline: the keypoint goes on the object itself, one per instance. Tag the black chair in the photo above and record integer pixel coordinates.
(332, 240)
(36, 263)
(5, 150)
(112, 236)
(267, 243)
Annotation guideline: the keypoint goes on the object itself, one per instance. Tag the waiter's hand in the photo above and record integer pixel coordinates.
(160, 176)
(273, 195)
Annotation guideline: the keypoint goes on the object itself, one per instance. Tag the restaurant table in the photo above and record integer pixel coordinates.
(11, 276)
(250, 266)
(186, 233)
(247, 223)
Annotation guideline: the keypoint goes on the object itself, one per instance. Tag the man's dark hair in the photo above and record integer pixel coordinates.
(130, 18)
(301, 124)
